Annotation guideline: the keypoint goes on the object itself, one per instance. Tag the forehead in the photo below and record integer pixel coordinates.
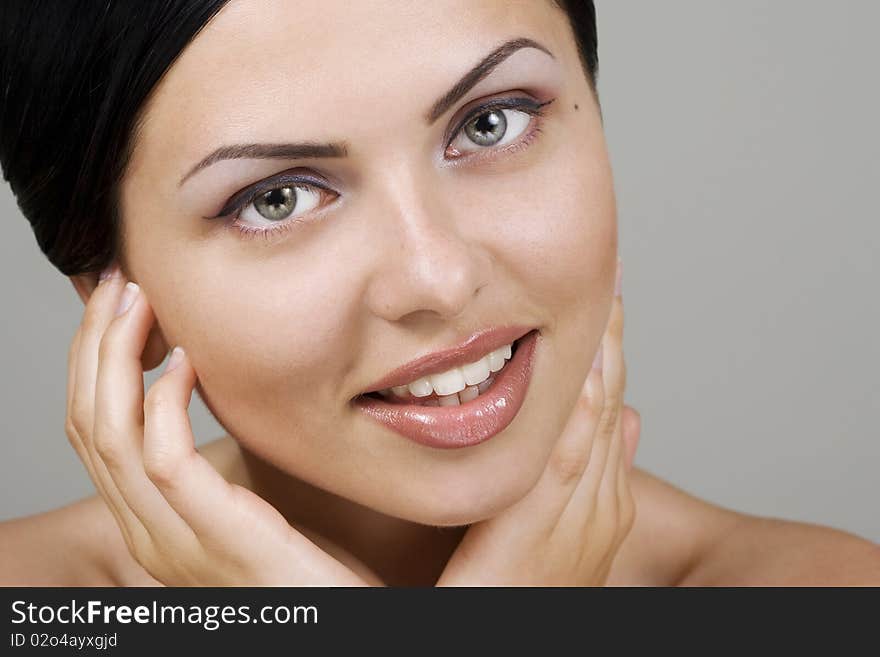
(324, 70)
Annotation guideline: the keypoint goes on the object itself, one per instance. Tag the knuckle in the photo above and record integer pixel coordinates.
(80, 419)
(160, 468)
(610, 413)
(586, 404)
(613, 400)
(71, 431)
(144, 554)
(107, 447)
(569, 465)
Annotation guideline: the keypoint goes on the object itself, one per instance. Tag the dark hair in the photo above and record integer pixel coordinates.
(74, 78)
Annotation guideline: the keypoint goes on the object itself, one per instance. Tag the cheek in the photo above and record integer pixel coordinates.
(555, 226)
(258, 341)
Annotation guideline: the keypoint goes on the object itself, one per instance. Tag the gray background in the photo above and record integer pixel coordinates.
(745, 147)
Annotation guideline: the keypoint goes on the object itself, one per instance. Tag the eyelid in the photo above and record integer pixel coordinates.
(520, 103)
(244, 197)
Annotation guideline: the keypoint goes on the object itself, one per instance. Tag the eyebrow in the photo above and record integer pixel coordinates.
(304, 150)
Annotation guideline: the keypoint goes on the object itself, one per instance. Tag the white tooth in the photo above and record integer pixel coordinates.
(468, 393)
(484, 386)
(421, 387)
(401, 391)
(386, 392)
(448, 383)
(507, 351)
(477, 372)
(496, 360)
(449, 400)
(431, 402)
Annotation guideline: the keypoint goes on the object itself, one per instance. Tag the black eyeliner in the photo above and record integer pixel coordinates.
(247, 195)
(522, 104)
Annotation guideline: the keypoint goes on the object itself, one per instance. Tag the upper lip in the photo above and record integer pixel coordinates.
(471, 350)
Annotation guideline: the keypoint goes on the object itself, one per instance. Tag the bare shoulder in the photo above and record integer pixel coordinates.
(679, 539)
(80, 544)
(671, 531)
(61, 547)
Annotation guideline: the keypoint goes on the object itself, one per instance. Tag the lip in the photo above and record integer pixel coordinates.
(470, 423)
(470, 351)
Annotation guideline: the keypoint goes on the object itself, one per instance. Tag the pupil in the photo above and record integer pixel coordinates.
(487, 122)
(276, 203)
(487, 129)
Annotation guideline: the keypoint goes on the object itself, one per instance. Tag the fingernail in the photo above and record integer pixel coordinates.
(175, 360)
(110, 271)
(618, 281)
(597, 361)
(128, 296)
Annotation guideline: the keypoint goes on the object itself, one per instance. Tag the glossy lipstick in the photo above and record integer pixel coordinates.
(474, 348)
(469, 423)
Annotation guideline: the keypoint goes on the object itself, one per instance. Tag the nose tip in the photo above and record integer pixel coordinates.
(432, 270)
(430, 261)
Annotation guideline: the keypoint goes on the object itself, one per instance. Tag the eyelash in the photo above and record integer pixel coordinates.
(239, 202)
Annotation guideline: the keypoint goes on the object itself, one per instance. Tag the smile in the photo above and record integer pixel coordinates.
(454, 386)
(460, 407)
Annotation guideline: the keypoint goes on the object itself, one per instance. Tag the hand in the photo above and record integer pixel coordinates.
(181, 520)
(567, 529)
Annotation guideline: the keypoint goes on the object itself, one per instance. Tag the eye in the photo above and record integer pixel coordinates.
(280, 203)
(496, 125)
(273, 205)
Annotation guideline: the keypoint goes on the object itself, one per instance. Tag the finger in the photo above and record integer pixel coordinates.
(72, 434)
(545, 503)
(632, 431)
(625, 497)
(608, 494)
(608, 489)
(626, 500)
(580, 502)
(188, 481)
(607, 443)
(97, 314)
(584, 442)
(119, 425)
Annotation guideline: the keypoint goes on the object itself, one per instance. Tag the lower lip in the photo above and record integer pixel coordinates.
(467, 424)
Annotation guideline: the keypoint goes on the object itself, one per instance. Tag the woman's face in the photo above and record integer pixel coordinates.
(414, 240)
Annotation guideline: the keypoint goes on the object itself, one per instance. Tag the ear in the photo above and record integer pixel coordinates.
(156, 348)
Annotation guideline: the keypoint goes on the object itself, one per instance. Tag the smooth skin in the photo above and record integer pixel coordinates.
(186, 525)
(410, 243)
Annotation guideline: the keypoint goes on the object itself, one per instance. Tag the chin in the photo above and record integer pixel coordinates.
(459, 502)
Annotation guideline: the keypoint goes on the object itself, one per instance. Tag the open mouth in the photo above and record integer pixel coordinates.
(469, 393)
(454, 423)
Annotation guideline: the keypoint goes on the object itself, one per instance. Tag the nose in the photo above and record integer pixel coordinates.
(426, 261)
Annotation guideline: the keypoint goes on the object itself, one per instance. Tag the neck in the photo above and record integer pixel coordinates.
(400, 552)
